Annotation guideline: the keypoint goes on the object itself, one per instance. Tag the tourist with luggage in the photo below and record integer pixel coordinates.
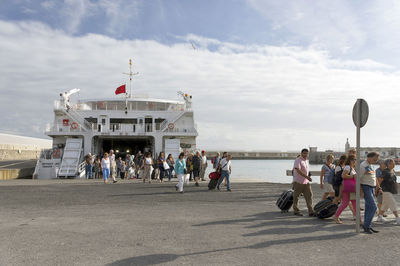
(105, 166)
(326, 178)
(301, 183)
(349, 186)
(196, 162)
(226, 171)
(180, 170)
(389, 187)
(368, 184)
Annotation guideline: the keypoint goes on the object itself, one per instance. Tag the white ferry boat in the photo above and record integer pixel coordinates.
(126, 125)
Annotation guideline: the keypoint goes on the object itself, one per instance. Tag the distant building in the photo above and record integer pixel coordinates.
(319, 157)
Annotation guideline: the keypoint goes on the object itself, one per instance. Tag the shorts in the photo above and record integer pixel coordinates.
(388, 202)
(328, 188)
(379, 198)
(196, 173)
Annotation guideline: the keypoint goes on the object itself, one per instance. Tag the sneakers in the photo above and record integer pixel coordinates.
(380, 219)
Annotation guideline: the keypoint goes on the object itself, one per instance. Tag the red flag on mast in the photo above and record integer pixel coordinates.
(120, 89)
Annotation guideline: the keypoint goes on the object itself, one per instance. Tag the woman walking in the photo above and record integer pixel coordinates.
(148, 167)
(326, 178)
(180, 170)
(171, 164)
(160, 165)
(105, 165)
(337, 184)
(389, 187)
(349, 186)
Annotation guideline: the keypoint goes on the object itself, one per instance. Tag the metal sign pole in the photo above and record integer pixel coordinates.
(358, 167)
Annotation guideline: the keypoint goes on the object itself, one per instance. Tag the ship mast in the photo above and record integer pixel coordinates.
(130, 74)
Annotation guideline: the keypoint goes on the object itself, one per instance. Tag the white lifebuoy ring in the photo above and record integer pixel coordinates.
(74, 125)
(171, 126)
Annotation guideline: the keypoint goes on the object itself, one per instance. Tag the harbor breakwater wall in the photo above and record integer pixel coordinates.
(244, 155)
(10, 152)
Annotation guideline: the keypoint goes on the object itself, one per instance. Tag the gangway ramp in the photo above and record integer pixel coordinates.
(71, 158)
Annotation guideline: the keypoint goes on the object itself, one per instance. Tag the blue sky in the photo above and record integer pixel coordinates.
(286, 67)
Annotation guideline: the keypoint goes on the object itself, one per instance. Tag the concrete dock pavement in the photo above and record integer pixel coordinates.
(86, 222)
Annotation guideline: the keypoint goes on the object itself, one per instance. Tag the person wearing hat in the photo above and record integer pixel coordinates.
(203, 165)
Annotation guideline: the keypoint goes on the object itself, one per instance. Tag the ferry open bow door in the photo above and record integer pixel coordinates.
(172, 146)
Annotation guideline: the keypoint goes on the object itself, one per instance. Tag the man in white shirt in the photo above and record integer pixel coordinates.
(226, 171)
(203, 165)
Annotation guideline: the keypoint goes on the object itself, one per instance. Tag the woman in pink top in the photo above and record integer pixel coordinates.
(348, 173)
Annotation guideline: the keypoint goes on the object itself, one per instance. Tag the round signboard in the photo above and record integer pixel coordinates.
(360, 113)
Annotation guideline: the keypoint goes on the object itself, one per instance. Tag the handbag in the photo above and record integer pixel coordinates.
(165, 165)
(349, 185)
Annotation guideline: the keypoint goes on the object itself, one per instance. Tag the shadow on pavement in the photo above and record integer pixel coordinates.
(164, 258)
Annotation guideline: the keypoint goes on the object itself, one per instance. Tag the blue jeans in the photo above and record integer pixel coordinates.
(88, 171)
(171, 168)
(370, 205)
(106, 173)
(224, 174)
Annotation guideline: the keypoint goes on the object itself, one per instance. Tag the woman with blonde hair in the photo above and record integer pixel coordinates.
(326, 178)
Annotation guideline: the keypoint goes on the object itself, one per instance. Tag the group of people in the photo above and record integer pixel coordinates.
(143, 166)
(339, 181)
(195, 167)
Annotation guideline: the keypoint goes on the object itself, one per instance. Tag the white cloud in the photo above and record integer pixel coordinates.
(245, 97)
(47, 4)
(332, 25)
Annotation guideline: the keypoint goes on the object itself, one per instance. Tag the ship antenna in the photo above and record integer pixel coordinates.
(130, 74)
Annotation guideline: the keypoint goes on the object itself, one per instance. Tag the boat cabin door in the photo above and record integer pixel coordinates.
(140, 125)
(103, 123)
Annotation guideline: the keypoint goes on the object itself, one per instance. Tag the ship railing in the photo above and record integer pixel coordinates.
(59, 127)
(181, 130)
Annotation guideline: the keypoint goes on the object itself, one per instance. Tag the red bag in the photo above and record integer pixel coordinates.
(214, 175)
(349, 185)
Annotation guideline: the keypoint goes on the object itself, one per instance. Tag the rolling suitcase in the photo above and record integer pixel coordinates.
(322, 205)
(212, 184)
(328, 211)
(285, 201)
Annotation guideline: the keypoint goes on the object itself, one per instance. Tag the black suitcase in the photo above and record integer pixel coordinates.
(212, 184)
(285, 201)
(322, 205)
(328, 211)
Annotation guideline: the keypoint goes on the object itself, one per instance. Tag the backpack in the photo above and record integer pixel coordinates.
(337, 179)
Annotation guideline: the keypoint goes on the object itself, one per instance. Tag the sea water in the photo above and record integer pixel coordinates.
(268, 170)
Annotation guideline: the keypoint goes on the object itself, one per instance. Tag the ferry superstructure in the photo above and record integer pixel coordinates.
(126, 125)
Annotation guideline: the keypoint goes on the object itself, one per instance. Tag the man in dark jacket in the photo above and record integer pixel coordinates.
(196, 161)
